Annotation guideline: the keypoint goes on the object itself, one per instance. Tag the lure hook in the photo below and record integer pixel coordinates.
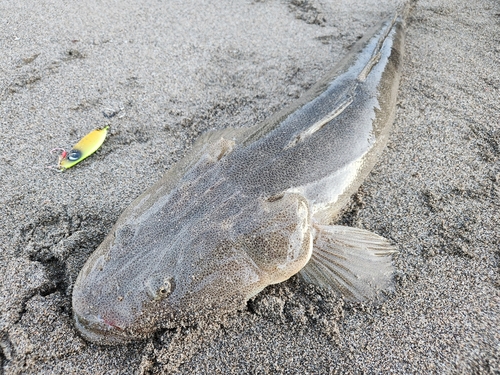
(83, 149)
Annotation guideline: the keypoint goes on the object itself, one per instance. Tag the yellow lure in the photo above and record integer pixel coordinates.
(84, 148)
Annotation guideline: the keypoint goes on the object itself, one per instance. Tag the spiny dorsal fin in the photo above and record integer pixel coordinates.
(336, 111)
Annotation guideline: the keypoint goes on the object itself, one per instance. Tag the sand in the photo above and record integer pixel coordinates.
(162, 73)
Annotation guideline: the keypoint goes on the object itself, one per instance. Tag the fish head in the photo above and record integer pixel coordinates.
(149, 277)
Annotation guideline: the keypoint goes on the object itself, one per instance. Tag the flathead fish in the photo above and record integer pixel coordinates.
(251, 207)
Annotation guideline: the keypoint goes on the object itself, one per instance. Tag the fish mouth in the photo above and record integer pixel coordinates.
(99, 331)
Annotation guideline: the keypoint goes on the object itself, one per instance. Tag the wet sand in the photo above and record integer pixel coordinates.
(161, 74)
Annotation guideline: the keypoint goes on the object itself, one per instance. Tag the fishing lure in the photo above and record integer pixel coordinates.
(84, 148)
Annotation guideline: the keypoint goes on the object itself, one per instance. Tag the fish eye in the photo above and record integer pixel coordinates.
(164, 289)
(158, 287)
(74, 155)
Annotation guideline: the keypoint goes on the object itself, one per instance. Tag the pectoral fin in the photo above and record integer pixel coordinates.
(354, 261)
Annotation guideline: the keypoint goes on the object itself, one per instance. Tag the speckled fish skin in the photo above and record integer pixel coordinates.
(242, 210)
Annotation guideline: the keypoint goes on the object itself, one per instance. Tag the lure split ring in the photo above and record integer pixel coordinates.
(83, 149)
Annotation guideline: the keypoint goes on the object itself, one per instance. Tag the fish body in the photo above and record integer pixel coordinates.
(250, 207)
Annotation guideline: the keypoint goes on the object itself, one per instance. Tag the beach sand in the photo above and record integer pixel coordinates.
(162, 73)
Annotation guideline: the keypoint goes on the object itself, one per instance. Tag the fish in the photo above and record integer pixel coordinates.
(252, 206)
